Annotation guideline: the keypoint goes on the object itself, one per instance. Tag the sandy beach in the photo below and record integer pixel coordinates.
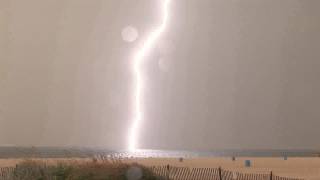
(306, 168)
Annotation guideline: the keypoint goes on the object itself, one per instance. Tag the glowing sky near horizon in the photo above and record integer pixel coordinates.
(137, 67)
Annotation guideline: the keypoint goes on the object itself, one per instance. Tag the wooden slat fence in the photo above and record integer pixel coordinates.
(246, 176)
(6, 173)
(284, 178)
(185, 173)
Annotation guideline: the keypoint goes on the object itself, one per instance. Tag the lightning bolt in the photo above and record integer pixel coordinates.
(138, 61)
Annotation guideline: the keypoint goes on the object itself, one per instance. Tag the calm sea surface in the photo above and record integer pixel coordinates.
(64, 152)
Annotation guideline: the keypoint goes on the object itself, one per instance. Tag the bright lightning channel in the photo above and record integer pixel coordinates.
(138, 60)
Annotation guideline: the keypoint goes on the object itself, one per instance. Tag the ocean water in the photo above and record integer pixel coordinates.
(82, 152)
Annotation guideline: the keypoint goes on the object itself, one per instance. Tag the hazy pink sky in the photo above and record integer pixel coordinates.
(225, 74)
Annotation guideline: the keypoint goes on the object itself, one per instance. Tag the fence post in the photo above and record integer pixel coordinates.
(168, 172)
(271, 175)
(220, 173)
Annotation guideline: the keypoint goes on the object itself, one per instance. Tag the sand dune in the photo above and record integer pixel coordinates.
(306, 168)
